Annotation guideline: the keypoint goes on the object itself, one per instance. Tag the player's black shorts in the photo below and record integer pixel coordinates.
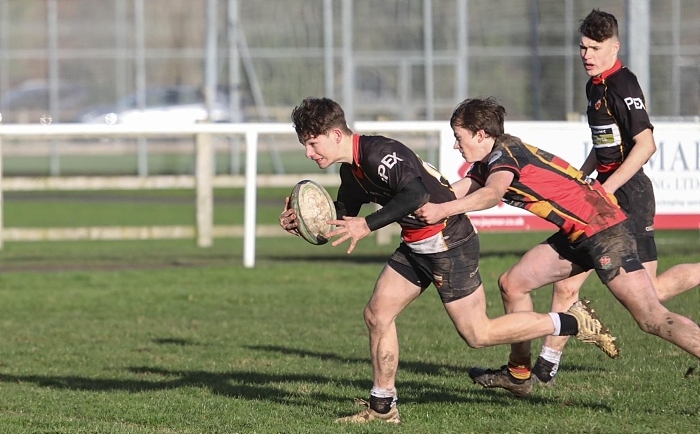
(606, 252)
(636, 198)
(454, 272)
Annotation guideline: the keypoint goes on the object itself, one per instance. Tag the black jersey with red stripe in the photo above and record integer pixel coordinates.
(551, 188)
(381, 167)
(616, 113)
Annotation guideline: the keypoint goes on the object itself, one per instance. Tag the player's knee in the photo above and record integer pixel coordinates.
(507, 286)
(370, 317)
(374, 319)
(651, 327)
(477, 342)
(651, 323)
(474, 340)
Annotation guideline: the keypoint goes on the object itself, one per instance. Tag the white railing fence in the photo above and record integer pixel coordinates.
(204, 180)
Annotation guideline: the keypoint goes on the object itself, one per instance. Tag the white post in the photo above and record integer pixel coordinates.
(638, 42)
(205, 190)
(251, 173)
(2, 200)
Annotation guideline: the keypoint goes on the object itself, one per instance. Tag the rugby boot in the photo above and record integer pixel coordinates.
(544, 372)
(591, 330)
(490, 378)
(368, 415)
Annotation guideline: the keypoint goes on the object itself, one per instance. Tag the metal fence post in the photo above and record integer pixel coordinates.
(2, 200)
(251, 175)
(205, 190)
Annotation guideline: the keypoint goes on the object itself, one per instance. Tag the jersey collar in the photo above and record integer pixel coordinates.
(356, 149)
(601, 78)
(357, 170)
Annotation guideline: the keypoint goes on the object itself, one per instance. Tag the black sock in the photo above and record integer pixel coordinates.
(543, 370)
(569, 325)
(380, 405)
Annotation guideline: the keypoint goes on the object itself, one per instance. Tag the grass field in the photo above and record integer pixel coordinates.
(164, 337)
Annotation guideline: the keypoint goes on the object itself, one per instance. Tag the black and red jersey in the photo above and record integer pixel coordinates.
(381, 167)
(616, 113)
(551, 188)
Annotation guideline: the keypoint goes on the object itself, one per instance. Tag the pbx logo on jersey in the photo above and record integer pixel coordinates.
(636, 103)
(387, 163)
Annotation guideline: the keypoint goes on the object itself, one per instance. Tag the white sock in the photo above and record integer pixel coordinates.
(382, 392)
(551, 355)
(557, 323)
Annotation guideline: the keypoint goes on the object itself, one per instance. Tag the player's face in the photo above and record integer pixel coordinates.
(598, 57)
(470, 145)
(323, 149)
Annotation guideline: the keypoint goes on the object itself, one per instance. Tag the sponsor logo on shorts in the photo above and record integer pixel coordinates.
(437, 280)
(649, 228)
(605, 262)
(473, 273)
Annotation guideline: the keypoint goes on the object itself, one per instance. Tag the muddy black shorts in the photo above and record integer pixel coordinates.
(454, 272)
(606, 252)
(636, 198)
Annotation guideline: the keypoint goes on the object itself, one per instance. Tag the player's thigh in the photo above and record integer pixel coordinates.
(392, 293)
(468, 314)
(540, 266)
(652, 270)
(634, 290)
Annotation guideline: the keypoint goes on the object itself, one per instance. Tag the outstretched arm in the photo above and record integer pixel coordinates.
(465, 186)
(485, 197)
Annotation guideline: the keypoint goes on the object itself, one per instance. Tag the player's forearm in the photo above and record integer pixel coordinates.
(643, 150)
(410, 198)
(461, 188)
(590, 164)
(484, 198)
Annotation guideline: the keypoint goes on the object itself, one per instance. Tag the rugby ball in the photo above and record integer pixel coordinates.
(313, 207)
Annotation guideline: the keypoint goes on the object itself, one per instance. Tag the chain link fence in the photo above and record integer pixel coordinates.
(172, 61)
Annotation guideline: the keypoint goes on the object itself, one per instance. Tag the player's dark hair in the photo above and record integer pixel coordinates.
(476, 114)
(599, 26)
(316, 116)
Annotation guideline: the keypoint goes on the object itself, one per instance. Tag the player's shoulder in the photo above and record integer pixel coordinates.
(376, 148)
(624, 82)
(508, 141)
(380, 143)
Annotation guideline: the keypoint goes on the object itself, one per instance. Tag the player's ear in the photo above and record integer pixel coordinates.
(337, 135)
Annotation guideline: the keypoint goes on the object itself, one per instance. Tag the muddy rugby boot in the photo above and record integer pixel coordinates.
(490, 378)
(368, 415)
(591, 330)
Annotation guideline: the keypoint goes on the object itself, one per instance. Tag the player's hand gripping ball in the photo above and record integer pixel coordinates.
(314, 208)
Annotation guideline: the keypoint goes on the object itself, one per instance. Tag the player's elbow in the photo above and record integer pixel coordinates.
(416, 193)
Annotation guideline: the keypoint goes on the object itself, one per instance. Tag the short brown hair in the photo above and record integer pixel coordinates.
(316, 116)
(599, 26)
(480, 114)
